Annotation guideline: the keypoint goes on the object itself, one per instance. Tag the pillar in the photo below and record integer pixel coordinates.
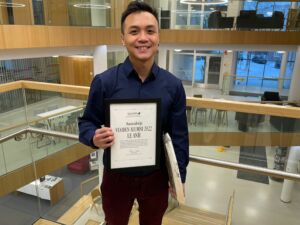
(291, 167)
(294, 92)
(100, 65)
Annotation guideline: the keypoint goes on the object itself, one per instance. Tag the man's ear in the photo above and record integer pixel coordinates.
(122, 39)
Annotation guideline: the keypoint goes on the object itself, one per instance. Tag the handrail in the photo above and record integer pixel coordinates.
(39, 119)
(244, 167)
(221, 104)
(193, 158)
(39, 131)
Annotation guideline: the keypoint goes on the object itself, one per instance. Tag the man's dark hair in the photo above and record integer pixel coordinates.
(137, 6)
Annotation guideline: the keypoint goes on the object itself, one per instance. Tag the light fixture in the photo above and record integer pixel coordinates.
(12, 5)
(92, 6)
(177, 50)
(194, 2)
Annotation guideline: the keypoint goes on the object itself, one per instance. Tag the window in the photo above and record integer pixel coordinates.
(267, 8)
(258, 69)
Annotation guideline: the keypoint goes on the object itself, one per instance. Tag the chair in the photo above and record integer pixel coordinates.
(198, 111)
(221, 117)
(270, 96)
(96, 195)
(80, 166)
(246, 19)
(216, 20)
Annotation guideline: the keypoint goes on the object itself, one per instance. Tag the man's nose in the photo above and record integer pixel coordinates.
(143, 36)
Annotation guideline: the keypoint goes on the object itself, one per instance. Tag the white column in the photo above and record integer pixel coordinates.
(233, 10)
(291, 167)
(100, 59)
(100, 65)
(294, 92)
(173, 14)
(226, 73)
(282, 71)
(162, 58)
(171, 57)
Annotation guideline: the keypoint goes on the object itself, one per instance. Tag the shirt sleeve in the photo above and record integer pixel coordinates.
(93, 116)
(179, 131)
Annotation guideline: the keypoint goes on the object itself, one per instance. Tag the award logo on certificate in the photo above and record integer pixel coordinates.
(136, 126)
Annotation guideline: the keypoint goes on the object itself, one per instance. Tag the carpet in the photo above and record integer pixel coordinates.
(254, 156)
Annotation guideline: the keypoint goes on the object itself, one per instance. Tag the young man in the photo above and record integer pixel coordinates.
(138, 77)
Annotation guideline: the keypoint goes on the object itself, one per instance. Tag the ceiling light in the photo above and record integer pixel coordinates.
(12, 5)
(91, 6)
(193, 2)
(177, 50)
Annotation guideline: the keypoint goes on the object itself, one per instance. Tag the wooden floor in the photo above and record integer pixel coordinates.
(182, 215)
(76, 211)
(45, 222)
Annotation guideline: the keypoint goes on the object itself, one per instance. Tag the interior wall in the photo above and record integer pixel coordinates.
(23, 15)
(76, 70)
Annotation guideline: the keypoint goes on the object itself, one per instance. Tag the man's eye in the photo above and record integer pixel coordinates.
(133, 32)
(150, 31)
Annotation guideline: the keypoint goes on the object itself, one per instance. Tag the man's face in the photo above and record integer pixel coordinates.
(141, 36)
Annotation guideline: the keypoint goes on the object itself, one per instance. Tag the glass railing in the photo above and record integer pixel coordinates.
(254, 139)
(172, 14)
(38, 187)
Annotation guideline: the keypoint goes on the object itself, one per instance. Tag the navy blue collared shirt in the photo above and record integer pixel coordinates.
(122, 82)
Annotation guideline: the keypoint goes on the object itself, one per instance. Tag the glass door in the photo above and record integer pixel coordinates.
(214, 67)
(200, 69)
(207, 70)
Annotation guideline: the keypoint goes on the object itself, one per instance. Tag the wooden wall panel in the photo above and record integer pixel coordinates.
(117, 8)
(244, 139)
(23, 15)
(76, 70)
(56, 12)
(19, 36)
(3, 15)
(2, 40)
(16, 37)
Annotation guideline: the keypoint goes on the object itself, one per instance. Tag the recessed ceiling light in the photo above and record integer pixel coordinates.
(12, 5)
(91, 6)
(193, 2)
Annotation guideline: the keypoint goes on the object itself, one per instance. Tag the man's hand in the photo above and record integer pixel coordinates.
(104, 137)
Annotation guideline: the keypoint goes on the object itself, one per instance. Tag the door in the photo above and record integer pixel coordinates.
(207, 70)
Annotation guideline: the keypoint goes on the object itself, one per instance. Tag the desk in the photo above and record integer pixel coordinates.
(52, 189)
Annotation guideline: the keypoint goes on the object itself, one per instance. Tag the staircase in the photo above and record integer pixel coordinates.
(184, 215)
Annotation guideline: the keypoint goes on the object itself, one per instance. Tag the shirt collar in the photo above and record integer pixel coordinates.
(129, 70)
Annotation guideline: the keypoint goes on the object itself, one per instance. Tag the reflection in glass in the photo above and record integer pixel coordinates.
(200, 69)
(183, 66)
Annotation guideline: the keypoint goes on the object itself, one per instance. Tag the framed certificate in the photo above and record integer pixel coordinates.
(137, 130)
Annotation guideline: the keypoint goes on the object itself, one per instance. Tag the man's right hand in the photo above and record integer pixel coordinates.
(104, 137)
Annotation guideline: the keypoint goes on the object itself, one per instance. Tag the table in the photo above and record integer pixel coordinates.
(52, 189)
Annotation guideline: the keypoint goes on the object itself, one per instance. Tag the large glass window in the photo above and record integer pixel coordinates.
(267, 8)
(258, 69)
(183, 66)
(262, 69)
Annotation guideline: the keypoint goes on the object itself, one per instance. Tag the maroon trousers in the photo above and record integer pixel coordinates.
(119, 192)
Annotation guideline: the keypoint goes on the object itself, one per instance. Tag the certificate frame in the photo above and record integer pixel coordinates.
(110, 106)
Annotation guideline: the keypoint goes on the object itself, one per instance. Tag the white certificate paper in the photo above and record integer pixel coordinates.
(135, 130)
